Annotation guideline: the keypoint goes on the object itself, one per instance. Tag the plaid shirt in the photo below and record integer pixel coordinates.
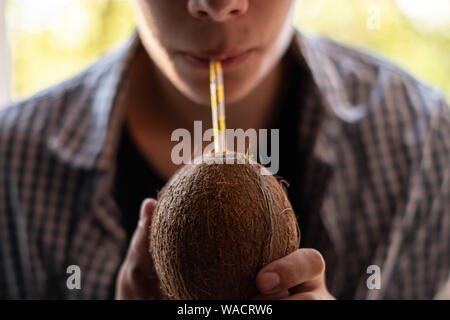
(377, 179)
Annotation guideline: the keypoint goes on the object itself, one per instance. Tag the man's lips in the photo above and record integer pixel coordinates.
(218, 54)
(227, 58)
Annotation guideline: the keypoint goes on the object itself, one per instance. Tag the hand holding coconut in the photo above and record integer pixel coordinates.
(298, 276)
(219, 228)
(137, 279)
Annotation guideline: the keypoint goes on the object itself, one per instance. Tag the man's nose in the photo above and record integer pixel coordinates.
(217, 10)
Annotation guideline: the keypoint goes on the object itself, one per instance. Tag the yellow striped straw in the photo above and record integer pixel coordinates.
(217, 105)
(221, 104)
(213, 92)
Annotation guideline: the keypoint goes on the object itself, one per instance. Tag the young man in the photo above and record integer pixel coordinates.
(365, 147)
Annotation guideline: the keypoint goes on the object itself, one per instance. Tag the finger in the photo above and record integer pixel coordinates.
(142, 281)
(139, 255)
(303, 265)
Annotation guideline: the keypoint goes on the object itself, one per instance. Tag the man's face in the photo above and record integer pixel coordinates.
(248, 36)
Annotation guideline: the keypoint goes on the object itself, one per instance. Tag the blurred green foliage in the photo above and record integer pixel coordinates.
(421, 46)
(79, 34)
(80, 31)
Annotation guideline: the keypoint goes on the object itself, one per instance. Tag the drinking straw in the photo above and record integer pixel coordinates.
(221, 104)
(217, 105)
(213, 92)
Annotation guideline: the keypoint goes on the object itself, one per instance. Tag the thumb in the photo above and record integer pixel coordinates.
(142, 279)
(140, 239)
(146, 212)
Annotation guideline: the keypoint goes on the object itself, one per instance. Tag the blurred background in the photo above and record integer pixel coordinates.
(45, 41)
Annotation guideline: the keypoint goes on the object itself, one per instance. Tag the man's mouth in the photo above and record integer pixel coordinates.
(229, 58)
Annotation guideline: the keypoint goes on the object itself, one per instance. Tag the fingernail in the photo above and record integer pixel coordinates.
(269, 281)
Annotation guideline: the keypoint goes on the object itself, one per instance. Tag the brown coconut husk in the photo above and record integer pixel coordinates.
(215, 226)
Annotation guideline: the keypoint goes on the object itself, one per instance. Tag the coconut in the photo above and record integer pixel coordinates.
(216, 225)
